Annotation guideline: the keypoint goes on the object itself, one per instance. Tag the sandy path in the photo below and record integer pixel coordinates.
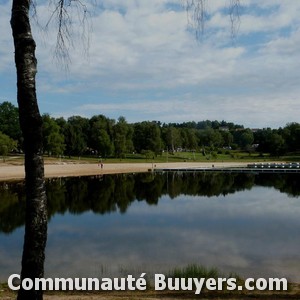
(10, 172)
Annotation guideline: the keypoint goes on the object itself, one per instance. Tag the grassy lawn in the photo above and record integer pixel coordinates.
(233, 156)
(222, 156)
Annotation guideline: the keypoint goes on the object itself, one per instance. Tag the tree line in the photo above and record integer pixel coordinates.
(104, 137)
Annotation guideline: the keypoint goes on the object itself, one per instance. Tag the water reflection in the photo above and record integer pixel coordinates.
(237, 222)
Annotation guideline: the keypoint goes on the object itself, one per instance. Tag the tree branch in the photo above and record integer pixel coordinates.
(234, 14)
(197, 15)
(62, 17)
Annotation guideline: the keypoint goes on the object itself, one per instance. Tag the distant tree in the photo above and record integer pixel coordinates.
(227, 137)
(184, 137)
(192, 139)
(101, 135)
(53, 139)
(9, 121)
(75, 140)
(277, 144)
(147, 136)
(129, 139)
(6, 144)
(189, 139)
(244, 138)
(211, 138)
(122, 138)
(189, 125)
(61, 122)
(262, 138)
(204, 124)
(291, 134)
(268, 141)
(104, 143)
(215, 124)
(172, 138)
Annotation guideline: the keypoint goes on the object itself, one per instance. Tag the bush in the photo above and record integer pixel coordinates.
(148, 153)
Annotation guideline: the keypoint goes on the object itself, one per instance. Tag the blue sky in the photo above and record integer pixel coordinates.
(144, 63)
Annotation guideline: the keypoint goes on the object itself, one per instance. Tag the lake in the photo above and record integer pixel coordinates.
(120, 224)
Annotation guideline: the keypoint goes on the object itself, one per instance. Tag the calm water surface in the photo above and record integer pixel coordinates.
(112, 225)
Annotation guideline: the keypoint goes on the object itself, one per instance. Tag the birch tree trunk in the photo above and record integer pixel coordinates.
(31, 125)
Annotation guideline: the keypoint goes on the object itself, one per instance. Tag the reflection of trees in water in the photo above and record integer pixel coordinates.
(12, 206)
(285, 183)
(148, 187)
(112, 193)
(209, 184)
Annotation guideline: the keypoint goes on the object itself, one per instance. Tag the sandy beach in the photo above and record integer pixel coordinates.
(16, 172)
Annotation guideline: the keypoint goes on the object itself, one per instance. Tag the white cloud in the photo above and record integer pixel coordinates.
(6, 53)
(142, 52)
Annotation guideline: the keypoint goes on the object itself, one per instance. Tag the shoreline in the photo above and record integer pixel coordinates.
(54, 170)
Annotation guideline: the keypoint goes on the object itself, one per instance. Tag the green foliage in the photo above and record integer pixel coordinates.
(192, 140)
(148, 154)
(244, 138)
(291, 134)
(53, 140)
(147, 136)
(172, 138)
(123, 138)
(195, 271)
(75, 133)
(227, 138)
(9, 121)
(211, 138)
(101, 136)
(6, 144)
